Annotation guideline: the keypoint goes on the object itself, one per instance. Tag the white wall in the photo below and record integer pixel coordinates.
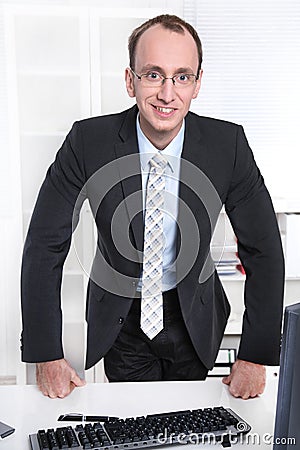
(251, 76)
(241, 75)
(29, 138)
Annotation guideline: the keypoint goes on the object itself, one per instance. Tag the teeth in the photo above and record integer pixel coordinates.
(164, 110)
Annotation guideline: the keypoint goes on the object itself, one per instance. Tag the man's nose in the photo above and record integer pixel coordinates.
(167, 91)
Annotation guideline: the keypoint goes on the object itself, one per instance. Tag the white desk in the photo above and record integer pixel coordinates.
(27, 410)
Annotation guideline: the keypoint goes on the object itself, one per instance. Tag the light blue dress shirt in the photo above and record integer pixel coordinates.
(173, 154)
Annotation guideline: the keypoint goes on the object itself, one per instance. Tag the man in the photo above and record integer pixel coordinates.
(174, 330)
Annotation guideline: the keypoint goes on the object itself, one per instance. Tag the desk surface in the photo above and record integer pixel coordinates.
(27, 410)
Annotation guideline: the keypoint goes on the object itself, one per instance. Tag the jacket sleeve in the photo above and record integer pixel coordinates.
(45, 250)
(252, 216)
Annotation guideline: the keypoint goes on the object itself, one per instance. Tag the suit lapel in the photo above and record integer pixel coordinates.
(192, 155)
(197, 192)
(192, 147)
(127, 155)
(198, 173)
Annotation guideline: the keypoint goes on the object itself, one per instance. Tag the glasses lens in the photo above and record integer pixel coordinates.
(152, 79)
(184, 79)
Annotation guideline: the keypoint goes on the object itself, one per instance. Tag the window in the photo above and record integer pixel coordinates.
(251, 76)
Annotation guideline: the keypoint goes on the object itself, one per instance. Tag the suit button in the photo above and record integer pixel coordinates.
(121, 320)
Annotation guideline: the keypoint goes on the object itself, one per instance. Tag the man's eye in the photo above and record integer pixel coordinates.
(153, 76)
(183, 77)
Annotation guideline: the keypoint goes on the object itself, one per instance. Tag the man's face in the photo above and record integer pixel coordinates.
(162, 108)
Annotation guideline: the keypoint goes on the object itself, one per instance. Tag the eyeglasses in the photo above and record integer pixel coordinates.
(155, 79)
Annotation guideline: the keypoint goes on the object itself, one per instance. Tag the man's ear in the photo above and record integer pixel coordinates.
(129, 82)
(198, 84)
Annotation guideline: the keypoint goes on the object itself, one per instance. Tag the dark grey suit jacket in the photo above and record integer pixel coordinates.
(99, 161)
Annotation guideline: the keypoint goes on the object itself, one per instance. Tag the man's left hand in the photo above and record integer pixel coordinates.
(246, 380)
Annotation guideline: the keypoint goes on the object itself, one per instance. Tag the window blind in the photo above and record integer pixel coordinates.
(251, 76)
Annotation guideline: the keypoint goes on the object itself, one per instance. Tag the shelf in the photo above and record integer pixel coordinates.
(232, 248)
(48, 73)
(234, 277)
(234, 325)
(282, 205)
(74, 272)
(241, 277)
(44, 133)
(286, 205)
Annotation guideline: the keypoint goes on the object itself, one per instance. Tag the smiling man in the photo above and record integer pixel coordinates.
(162, 53)
(157, 315)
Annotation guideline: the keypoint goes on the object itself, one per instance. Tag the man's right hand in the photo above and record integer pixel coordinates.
(57, 378)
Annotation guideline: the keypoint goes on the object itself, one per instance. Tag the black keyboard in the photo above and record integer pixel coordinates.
(196, 426)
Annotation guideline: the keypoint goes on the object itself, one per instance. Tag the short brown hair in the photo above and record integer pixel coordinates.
(170, 22)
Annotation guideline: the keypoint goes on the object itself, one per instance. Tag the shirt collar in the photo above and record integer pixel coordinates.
(172, 152)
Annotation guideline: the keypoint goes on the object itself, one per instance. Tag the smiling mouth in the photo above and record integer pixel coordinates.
(164, 110)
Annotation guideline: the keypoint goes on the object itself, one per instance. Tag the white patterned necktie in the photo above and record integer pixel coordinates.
(152, 302)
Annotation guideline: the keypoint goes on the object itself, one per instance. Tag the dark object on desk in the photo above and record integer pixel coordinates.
(287, 429)
(77, 417)
(5, 430)
(197, 426)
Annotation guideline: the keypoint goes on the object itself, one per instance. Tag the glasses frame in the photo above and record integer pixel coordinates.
(163, 78)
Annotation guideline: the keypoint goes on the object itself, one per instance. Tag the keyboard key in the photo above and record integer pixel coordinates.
(71, 438)
(42, 440)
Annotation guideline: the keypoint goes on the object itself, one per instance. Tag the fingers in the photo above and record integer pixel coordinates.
(245, 391)
(57, 379)
(64, 391)
(247, 380)
(76, 380)
(242, 392)
(226, 380)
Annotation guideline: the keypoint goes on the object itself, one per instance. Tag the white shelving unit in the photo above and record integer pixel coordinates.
(234, 284)
(66, 64)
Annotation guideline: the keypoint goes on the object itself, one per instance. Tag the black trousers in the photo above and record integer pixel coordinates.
(169, 356)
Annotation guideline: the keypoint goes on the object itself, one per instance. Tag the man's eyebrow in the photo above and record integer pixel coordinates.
(184, 70)
(149, 67)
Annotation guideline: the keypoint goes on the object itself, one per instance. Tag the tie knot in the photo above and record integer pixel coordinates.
(158, 161)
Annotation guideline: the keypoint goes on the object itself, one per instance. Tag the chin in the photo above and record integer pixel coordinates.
(166, 128)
